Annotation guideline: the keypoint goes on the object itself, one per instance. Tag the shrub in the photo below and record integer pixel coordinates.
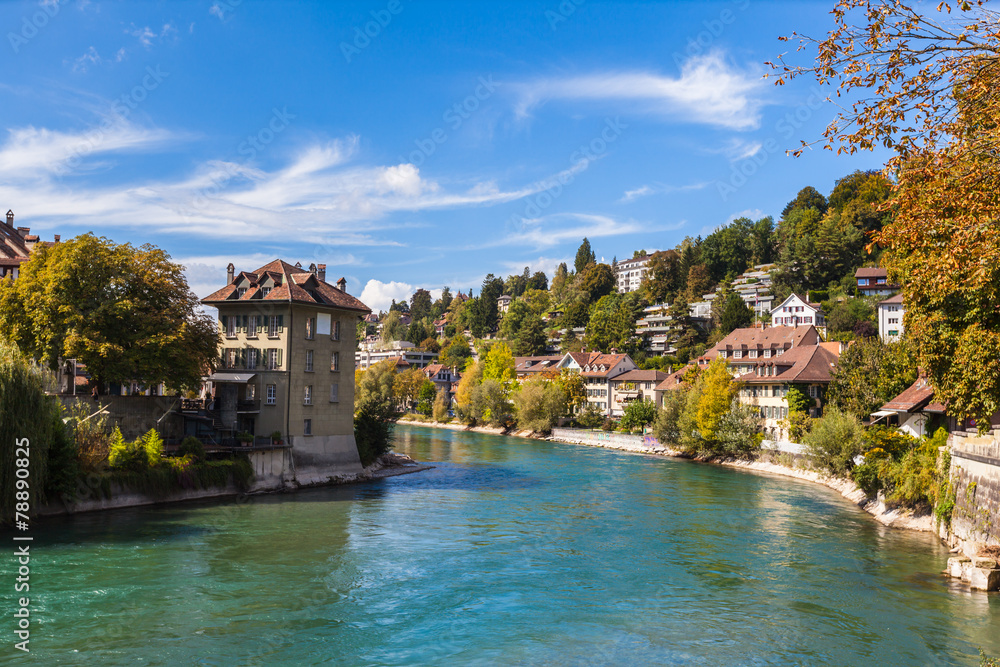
(91, 435)
(152, 445)
(192, 447)
(608, 424)
(638, 414)
(590, 417)
(835, 440)
(126, 456)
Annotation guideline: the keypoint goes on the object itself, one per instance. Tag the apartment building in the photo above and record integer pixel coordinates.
(630, 273)
(635, 385)
(287, 338)
(890, 318)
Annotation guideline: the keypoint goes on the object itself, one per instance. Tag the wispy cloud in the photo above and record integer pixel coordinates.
(323, 192)
(552, 230)
(147, 35)
(90, 58)
(659, 188)
(709, 90)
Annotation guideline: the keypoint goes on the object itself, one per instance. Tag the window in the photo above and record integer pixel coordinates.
(273, 359)
(307, 427)
(252, 326)
(251, 392)
(813, 391)
(881, 281)
(310, 328)
(231, 326)
(335, 361)
(307, 396)
(309, 361)
(807, 320)
(893, 332)
(893, 320)
(753, 354)
(275, 326)
(862, 282)
(272, 394)
(265, 291)
(251, 359)
(335, 333)
(767, 354)
(334, 393)
(240, 292)
(737, 354)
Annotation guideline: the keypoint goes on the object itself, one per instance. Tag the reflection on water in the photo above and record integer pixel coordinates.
(510, 551)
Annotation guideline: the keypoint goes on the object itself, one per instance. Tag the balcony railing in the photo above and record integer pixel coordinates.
(248, 406)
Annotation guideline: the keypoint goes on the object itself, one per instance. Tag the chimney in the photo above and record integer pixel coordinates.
(10, 218)
(57, 238)
(342, 285)
(230, 270)
(23, 231)
(312, 268)
(298, 265)
(321, 272)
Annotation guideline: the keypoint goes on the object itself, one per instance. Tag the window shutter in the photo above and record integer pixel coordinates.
(225, 322)
(246, 323)
(334, 391)
(281, 323)
(279, 356)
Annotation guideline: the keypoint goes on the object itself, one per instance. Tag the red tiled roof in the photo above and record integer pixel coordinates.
(675, 379)
(771, 338)
(892, 300)
(291, 284)
(870, 272)
(918, 395)
(433, 369)
(642, 376)
(806, 363)
(608, 361)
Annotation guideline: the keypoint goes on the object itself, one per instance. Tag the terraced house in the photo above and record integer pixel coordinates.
(286, 351)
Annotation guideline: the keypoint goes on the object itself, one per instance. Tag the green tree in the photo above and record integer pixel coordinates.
(612, 323)
(375, 411)
(490, 403)
(420, 304)
(667, 426)
(491, 291)
(125, 312)
(869, 374)
(440, 408)
(584, 256)
(835, 440)
(596, 281)
(735, 314)
(808, 197)
(848, 314)
(739, 430)
(664, 277)
(29, 424)
(638, 414)
(456, 352)
(393, 328)
(539, 404)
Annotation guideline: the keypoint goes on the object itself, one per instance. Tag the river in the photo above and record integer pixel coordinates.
(509, 551)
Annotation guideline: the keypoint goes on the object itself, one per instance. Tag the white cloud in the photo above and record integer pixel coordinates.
(659, 188)
(84, 62)
(322, 193)
(709, 90)
(558, 228)
(146, 35)
(378, 295)
(752, 213)
(546, 265)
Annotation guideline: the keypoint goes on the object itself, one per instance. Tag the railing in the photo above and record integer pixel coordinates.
(248, 406)
(192, 404)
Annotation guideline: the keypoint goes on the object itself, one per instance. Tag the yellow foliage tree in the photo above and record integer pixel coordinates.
(717, 391)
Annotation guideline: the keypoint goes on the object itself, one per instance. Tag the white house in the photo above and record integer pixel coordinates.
(503, 303)
(630, 273)
(890, 318)
(796, 311)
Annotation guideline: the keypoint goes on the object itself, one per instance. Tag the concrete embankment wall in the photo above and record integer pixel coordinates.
(975, 465)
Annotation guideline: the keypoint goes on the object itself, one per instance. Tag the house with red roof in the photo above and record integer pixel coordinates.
(873, 281)
(287, 338)
(796, 311)
(766, 386)
(598, 370)
(17, 245)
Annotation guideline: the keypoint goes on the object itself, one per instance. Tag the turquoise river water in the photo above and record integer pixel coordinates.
(510, 551)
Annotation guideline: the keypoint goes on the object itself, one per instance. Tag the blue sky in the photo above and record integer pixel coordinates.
(452, 140)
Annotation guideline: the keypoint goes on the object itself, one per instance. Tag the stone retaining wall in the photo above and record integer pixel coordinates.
(975, 466)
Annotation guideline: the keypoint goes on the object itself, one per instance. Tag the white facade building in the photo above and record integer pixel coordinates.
(630, 273)
(796, 311)
(890, 318)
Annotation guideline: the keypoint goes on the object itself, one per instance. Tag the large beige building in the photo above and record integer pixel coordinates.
(286, 363)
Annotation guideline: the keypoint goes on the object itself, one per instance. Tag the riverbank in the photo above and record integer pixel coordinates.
(892, 517)
(90, 497)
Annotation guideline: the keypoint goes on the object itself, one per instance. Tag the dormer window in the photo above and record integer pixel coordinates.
(240, 292)
(265, 291)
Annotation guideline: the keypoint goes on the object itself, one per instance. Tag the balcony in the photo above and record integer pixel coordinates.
(248, 406)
